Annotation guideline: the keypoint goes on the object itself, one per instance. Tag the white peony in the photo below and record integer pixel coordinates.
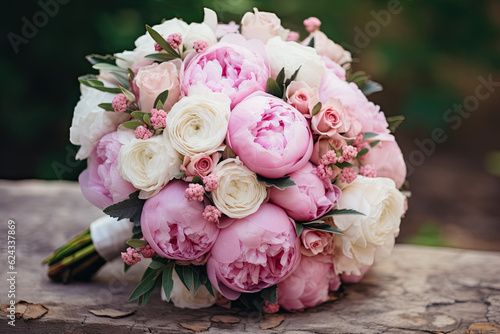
(239, 194)
(291, 56)
(262, 26)
(149, 164)
(91, 122)
(184, 298)
(198, 123)
(383, 205)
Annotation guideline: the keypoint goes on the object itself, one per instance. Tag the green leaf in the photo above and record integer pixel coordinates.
(370, 87)
(139, 115)
(161, 41)
(130, 208)
(160, 57)
(126, 267)
(160, 106)
(132, 124)
(162, 97)
(168, 282)
(273, 88)
(325, 228)
(280, 183)
(131, 74)
(208, 285)
(299, 228)
(128, 94)
(146, 119)
(317, 221)
(270, 294)
(369, 135)
(359, 78)
(91, 82)
(96, 59)
(121, 79)
(280, 79)
(395, 122)
(344, 164)
(196, 282)
(147, 283)
(155, 265)
(311, 43)
(188, 277)
(374, 143)
(343, 212)
(316, 109)
(362, 152)
(109, 68)
(292, 78)
(106, 106)
(136, 243)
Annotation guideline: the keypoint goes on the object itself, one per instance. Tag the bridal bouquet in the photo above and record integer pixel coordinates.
(245, 164)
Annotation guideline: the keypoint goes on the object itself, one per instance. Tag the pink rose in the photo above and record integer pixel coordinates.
(271, 137)
(328, 48)
(309, 284)
(302, 97)
(101, 183)
(311, 198)
(331, 119)
(254, 253)
(199, 165)
(355, 278)
(315, 242)
(353, 100)
(323, 144)
(388, 160)
(154, 79)
(174, 227)
(262, 26)
(235, 67)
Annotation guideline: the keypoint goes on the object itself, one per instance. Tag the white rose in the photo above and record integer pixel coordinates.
(204, 31)
(291, 56)
(239, 194)
(262, 26)
(184, 298)
(91, 122)
(383, 206)
(198, 123)
(149, 164)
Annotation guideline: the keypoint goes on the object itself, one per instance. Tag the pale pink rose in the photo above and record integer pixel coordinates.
(323, 144)
(101, 183)
(331, 119)
(302, 97)
(309, 284)
(199, 165)
(355, 278)
(271, 137)
(224, 29)
(234, 66)
(334, 67)
(154, 79)
(309, 199)
(315, 242)
(328, 48)
(254, 253)
(388, 160)
(262, 26)
(174, 227)
(368, 114)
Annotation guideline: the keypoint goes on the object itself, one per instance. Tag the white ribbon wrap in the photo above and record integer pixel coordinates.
(110, 235)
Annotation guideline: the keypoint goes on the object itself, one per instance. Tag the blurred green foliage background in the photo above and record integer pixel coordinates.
(428, 56)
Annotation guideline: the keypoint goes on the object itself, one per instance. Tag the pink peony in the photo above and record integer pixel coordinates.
(309, 284)
(101, 183)
(353, 100)
(388, 160)
(311, 198)
(174, 227)
(234, 67)
(271, 137)
(334, 67)
(254, 253)
(199, 165)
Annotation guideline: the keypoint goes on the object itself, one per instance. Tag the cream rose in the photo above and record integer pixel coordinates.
(291, 56)
(328, 48)
(152, 80)
(383, 206)
(198, 122)
(239, 194)
(149, 164)
(184, 298)
(262, 26)
(90, 122)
